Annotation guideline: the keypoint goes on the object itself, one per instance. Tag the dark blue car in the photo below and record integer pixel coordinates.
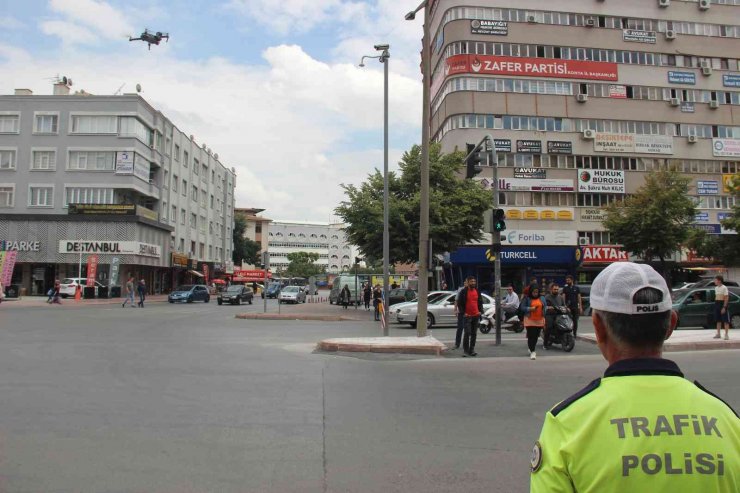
(189, 293)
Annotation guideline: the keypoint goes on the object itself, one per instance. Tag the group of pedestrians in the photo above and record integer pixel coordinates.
(133, 288)
(372, 294)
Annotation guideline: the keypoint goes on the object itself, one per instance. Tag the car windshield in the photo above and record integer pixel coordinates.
(233, 289)
(68, 281)
(291, 289)
(677, 296)
(184, 287)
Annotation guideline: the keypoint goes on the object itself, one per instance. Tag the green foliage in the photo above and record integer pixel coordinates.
(655, 221)
(456, 207)
(724, 249)
(245, 250)
(302, 264)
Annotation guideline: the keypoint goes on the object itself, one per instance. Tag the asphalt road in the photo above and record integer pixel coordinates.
(188, 399)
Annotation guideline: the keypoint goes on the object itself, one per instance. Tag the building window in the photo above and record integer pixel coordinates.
(192, 248)
(183, 215)
(185, 158)
(132, 127)
(203, 197)
(195, 194)
(7, 195)
(210, 227)
(174, 183)
(88, 195)
(176, 157)
(193, 221)
(205, 172)
(258, 227)
(184, 188)
(43, 160)
(41, 196)
(10, 124)
(94, 124)
(202, 224)
(7, 159)
(164, 210)
(211, 201)
(213, 176)
(173, 218)
(196, 166)
(92, 160)
(182, 245)
(46, 123)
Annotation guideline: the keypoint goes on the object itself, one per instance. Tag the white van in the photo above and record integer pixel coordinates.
(340, 282)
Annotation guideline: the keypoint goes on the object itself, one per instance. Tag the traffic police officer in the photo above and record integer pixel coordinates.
(642, 427)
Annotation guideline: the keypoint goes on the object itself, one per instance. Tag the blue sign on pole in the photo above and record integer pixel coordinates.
(731, 80)
(682, 78)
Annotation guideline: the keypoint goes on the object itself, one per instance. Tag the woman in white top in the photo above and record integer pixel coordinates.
(721, 307)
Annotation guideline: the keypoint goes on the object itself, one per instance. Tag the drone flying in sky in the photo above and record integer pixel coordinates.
(151, 38)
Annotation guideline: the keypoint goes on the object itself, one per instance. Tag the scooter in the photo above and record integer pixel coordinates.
(562, 330)
(488, 322)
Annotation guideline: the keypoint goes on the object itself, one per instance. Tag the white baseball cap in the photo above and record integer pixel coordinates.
(614, 289)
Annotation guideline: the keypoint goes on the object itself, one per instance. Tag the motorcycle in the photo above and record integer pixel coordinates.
(488, 322)
(562, 330)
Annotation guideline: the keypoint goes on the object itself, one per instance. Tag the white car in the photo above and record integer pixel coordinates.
(292, 294)
(68, 286)
(395, 309)
(441, 311)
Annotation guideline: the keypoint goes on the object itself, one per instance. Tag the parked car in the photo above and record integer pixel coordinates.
(188, 293)
(400, 295)
(235, 295)
(395, 309)
(272, 291)
(441, 311)
(703, 283)
(695, 307)
(68, 286)
(292, 294)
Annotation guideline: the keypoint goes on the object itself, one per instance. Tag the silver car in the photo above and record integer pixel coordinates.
(396, 308)
(292, 294)
(440, 311)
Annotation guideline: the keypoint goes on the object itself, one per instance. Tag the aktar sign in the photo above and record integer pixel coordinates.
(603, 254)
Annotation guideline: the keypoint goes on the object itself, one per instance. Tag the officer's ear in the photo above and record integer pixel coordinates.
(602, 335)
(674, 322)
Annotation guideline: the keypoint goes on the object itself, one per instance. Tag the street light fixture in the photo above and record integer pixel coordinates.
(421, 325)
(383, 58)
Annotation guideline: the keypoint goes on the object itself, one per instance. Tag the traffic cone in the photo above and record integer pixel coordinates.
(78, 293)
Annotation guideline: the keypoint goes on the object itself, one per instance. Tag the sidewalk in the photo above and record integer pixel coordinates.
(689, 340)
(41, 301)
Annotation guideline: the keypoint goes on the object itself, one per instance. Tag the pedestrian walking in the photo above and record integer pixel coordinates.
(129, 292)
(554, 300)
(574, 301)
(50, 294)
(533, 308)
(141, 288)
(470, 303)
(642, 427)
(528, 288)
(56, 296)
(377, 298)
(460, 318)
(367, 295)
(345, 296)
(721, 307)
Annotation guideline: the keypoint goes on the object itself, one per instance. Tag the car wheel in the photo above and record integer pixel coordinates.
(250, 301)
(238, 301)
(219, 302)
(171, 301)
(430, 320)
(208, 298)
(190, 299)
(64, 296)
(735, 321)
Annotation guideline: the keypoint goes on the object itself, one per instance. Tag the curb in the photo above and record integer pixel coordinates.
(356, 346)
(687, 346)
(298, 316)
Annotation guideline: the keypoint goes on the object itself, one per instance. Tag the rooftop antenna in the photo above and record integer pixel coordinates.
(119, 90)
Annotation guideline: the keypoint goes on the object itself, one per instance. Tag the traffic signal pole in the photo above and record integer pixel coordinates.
(471, 161)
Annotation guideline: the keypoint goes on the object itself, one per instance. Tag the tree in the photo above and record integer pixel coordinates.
(302, 264)
(656, 221)
(722, 248)
(456, 208)
(245, 249)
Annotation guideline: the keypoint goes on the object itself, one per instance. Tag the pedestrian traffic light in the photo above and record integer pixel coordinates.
(499, 224)
(473, 163)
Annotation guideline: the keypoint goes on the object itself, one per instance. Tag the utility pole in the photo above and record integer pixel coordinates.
(266, 267)
(421, 320)
(386, 234)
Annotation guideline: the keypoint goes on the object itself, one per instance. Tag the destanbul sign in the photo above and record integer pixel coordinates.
(110, 247)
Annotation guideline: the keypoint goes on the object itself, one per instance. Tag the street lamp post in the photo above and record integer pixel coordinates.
(421, 325)
(383, 58)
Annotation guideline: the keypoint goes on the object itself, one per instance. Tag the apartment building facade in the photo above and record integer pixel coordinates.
(327, 240)
(110, 176)
(584, 98)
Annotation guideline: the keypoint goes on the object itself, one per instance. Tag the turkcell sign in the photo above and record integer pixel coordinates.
(688, 78)
(517, 256)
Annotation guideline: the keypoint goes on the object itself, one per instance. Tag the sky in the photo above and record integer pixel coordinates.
(272, 86)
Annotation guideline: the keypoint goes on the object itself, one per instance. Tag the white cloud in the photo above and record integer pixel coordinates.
(8, 23)
(68, 32)
(287, 125)
(90, 16)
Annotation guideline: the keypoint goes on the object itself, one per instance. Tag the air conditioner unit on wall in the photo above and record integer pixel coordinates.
(706, 70)
(590, 22)
(670, 34)
(531, 19)
(704, 4)
(582, 98)
(589, 134)
(714, 104)
(692, 139)
(664, 3)
(583, 241)
(675, 102)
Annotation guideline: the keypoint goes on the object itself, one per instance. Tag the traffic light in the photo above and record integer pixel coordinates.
(499, 224)
(473, 163)
(357, 260)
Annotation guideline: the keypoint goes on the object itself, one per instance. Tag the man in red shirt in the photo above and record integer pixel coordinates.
(470, 304)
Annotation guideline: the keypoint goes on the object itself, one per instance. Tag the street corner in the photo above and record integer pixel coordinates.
(397, 345)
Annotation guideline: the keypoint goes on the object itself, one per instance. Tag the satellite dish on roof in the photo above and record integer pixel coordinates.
(138, 87)
(64, 80)
(215, 155)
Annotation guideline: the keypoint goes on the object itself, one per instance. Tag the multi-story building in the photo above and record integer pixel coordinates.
(325, 239)
(258, 228)
(584, 98)
(112, 176)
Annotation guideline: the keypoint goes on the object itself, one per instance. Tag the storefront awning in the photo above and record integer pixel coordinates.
(196, 273)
